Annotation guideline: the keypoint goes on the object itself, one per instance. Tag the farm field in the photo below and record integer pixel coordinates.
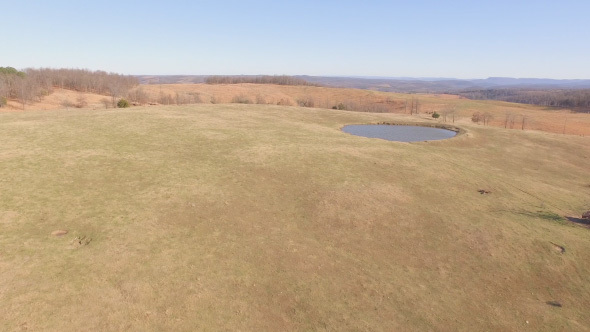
(263, 217)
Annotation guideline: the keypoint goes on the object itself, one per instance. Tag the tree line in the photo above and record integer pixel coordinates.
(33, 84)
(575, 99)
(265, 79)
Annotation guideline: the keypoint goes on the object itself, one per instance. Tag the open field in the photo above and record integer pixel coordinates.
(501, 114)
(260, 217)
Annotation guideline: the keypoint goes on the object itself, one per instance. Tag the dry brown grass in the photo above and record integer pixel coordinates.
(57, 100)
(536, 118)
(257, 217)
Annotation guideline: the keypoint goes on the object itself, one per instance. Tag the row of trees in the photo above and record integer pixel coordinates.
(266, 79)
(577, 100)
(33, 84)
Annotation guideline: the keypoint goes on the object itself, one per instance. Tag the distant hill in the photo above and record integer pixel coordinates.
(445, 85)
(402, 84)
(171, 79)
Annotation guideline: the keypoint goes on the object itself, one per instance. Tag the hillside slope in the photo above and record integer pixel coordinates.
(267, 218)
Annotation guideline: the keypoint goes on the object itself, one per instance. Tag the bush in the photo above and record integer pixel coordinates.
(3, 101)
(476, 117)
(81, 102)
(122, 103)
(241, 99)
(340, 106)
(435, 115)
(284, 102)
(307, 102)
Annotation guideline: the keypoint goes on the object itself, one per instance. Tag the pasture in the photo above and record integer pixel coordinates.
(263, 217)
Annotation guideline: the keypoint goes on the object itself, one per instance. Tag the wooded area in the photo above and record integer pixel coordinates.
(32, 84)
(265, 79)
(576, 100)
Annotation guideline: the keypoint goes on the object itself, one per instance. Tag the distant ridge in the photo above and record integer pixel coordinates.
(402, 84)
(446, 85)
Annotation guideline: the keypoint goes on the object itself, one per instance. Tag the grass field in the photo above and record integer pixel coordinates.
(551, 120)
(259, 217)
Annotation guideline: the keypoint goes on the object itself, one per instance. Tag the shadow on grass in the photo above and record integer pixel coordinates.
(554, 304)
(546, 215)
(579, 221)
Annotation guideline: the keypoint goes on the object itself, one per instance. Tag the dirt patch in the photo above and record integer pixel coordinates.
(484, 191)
(80, 241)
(8, 217)
(558, 248)
(59, 232)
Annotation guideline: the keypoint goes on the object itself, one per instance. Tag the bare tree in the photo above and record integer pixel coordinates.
(81, 101)
(266, 79)
(507, 117)
(486, 118)
(33, 84)
(260, 99)
(138, 96)
(446, 112)
(106, 102)
(66, 103)
(476, 117)
(3, 93)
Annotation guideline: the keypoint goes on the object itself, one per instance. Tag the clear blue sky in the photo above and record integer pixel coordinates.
(455, 38)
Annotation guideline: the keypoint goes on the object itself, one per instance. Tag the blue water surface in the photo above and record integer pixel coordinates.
(399, 133)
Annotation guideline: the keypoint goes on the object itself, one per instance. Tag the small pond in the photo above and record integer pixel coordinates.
(399, 133)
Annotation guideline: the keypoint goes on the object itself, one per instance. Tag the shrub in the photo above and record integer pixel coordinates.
(81, 102)
(241, 99)
(66, 103)
(435, 115)
(122, 103)
(476, 117)
(340, 106)
(3, 101)
(284, 102)
(307, 102)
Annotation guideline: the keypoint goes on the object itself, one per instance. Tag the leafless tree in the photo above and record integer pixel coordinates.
(138, 96)
(306, 102)
(486, 118)
(66, 103)
(33, 84)
(81, 101)
(476, 117)
(279, 80)
(446, 112)
(260, 99)
(106, 102)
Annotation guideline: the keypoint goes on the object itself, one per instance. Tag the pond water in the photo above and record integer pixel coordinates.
(399, 133)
